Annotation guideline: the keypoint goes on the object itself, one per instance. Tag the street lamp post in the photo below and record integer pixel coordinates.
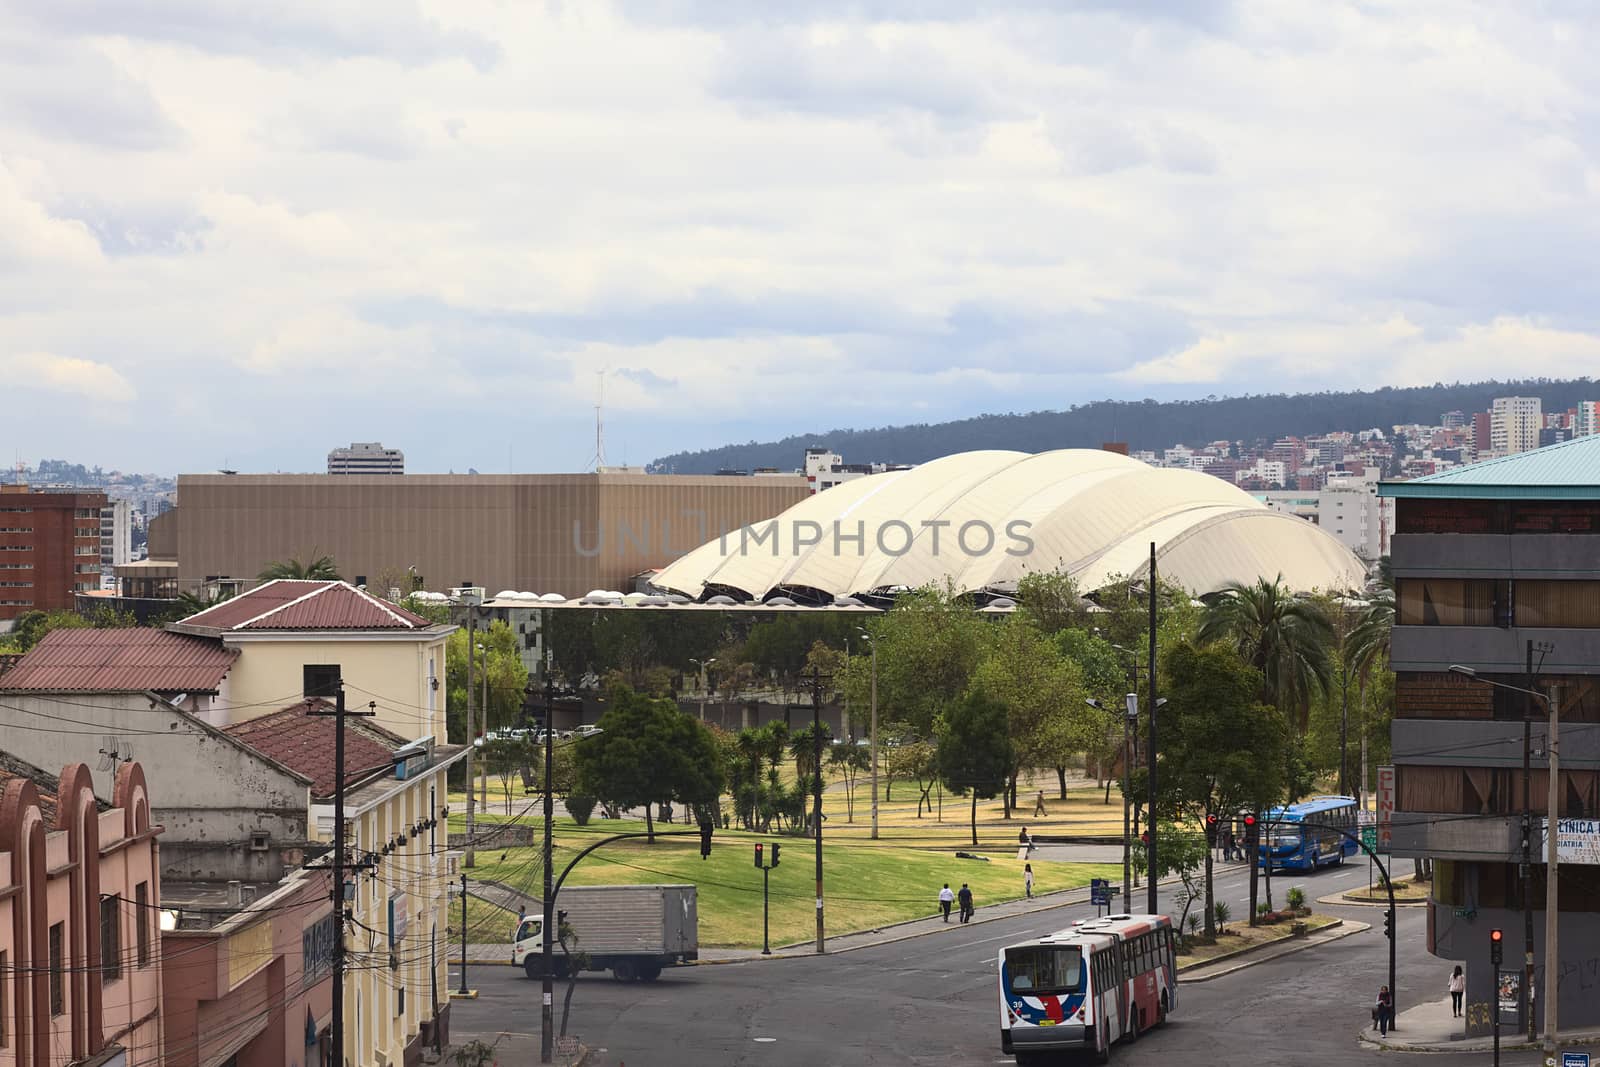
(872, 737)
(1552, 954)
(469, 598)
(1128, 722)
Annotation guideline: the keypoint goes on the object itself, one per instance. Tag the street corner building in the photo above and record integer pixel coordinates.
(1497, 573)
(80, 941)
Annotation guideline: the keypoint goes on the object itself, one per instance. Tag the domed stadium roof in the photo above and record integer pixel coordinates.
(982, 520)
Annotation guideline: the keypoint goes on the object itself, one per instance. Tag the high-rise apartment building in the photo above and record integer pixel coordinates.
(1514, 424)
(1481, 435)
(116, 535)
(1350, 509)
(49, 548)
(1586, 420)
(366, 457)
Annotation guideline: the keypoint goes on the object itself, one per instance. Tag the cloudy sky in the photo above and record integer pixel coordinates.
(242, 233)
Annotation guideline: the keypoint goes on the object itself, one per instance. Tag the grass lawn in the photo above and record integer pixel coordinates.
(487, 924)
(867, 885)
(1242, 935)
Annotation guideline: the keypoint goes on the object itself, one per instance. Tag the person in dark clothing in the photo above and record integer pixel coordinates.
(1384, 1009)
(965, 896)
(1227, 844)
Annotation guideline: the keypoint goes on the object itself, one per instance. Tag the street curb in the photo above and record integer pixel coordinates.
(1368, 1039)
(1334, 931)
(783, 952)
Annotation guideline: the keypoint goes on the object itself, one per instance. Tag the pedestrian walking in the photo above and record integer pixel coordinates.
(1027, 879)
(966, 902)
(1458, 989)
(1038, 806)
(1383, 1010)
(946, 898)
(1227, 844)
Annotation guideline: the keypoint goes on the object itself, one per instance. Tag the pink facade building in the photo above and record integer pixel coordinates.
(80, 941)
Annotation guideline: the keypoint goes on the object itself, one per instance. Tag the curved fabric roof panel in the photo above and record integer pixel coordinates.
(982, 520)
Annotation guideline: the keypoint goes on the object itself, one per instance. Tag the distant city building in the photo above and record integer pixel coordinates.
(116, 537)
(1349, 508)
(1455, 420)
(826, 469)
(1586, 420)
(366, 457)
(1482, 435)
(1514, 424)
(49, 548)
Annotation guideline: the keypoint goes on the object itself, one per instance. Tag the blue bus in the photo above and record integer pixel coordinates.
(1289, 843)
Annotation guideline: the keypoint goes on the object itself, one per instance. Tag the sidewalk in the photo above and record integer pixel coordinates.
(1430, 1028)
(883, 935)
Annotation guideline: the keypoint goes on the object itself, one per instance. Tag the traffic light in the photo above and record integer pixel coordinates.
(1388, 925)
(1496, 947)
(1211, 827)
(705, 839)
(758, 855)
(776, 845)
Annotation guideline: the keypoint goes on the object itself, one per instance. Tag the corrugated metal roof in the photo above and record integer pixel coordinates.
(292, 604)
(305, 743)
(132, 659)
(1566, 471)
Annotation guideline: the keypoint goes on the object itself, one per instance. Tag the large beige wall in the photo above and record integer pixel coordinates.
(393, 672)
(505, 531)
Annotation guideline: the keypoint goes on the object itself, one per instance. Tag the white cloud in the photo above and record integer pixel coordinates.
(81, 378)
(770, 218)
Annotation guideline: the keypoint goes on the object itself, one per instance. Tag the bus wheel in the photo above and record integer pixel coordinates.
(623, 971)
(1133, 1026)
(1161, 1011)
(649, 972)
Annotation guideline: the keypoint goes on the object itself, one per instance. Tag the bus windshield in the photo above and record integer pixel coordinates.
(1286, 835)
(1045, 969)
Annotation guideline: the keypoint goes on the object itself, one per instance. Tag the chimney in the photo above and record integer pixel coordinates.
(235, 894)
(1119, 447)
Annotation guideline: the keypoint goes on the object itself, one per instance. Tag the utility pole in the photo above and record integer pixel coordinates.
(340, 902)
(872, 739)
(1552, 954)
(469, 598)
(1129, 721)
(464, 990)
(547, 1020)
(1527, 855)
(1151, 886)
(816, 793)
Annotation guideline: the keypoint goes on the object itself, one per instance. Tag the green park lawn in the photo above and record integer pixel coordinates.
(867, 885)
(487, 924)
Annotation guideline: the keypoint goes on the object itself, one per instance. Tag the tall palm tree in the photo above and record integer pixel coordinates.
(1285, 637)
(320, 568)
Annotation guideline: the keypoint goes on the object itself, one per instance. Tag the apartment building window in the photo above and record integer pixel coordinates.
(320, 680)
(16, 529)
(86, 513)
(17, 585)
(1490, 791)
(1569, 604)
(58, 989)
(111, 937)
(1447, 601)
(141, 921)
(86, 550)
(16, 511)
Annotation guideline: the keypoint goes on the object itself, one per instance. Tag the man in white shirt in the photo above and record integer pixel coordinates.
(946, 898)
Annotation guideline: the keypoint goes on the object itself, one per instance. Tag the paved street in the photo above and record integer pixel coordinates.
(931, 1001)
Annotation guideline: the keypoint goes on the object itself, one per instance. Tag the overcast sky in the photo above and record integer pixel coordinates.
(242, 233)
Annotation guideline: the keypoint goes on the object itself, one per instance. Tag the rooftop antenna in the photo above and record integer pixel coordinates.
(600, 422)
(114, 750)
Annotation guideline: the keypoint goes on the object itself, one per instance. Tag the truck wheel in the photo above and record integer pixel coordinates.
(623, 971)
(649, 972)
(530, 966)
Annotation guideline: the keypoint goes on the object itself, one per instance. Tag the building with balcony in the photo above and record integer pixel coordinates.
(366, 457)
(1491, 562)
(49, 548)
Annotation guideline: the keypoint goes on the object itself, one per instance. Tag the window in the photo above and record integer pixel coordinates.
(1448, 602)
(58, 992)
(111, 937)
(1574, 604)
(1045, 970)
(321, 679)
(141, 921)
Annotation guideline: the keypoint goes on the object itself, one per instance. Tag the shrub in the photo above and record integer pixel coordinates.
(580, 808)
(1262, 909)
(1296, 898)
(1222, 913)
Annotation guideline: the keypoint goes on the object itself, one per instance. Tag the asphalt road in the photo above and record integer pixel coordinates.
(932, 1001)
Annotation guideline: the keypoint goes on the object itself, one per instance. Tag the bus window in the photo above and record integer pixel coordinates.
(1045, 969)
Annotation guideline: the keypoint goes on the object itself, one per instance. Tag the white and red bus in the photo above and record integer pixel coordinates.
(1086, 987)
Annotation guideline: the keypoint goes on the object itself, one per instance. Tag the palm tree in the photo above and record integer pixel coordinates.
(1285, 637)
(320, 568)
(194, 602)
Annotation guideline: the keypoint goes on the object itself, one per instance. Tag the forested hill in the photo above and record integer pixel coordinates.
(1145, 424)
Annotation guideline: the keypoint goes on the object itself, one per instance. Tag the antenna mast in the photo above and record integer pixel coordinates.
(600, 423)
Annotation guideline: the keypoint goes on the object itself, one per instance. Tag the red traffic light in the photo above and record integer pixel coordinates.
(1211, 820)
(758, 855)
(1495, 935)
(1249, 819)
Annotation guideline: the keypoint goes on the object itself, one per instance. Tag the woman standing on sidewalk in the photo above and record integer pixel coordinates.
(1458, 988)
(1384, 1010)
(1027, 879)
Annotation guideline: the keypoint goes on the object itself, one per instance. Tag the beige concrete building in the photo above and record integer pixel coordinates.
(548, 533)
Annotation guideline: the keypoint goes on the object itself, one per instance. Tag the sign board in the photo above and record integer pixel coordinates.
(1577, 841)
(1574, 1059)
(397, 918)
(1369, 837)
(1099, 891)
(1385, 806)
(1509, 992)
(316, 950)
(1364, 817)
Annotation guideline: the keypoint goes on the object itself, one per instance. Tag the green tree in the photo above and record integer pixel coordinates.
(1052, 600)
(1105, 680)
(649, 752)
(849, 760)
(506, 679)
(1286, 637)
(1223, 750)
(316, 568)
(975, 752)
(928, 648)
(1178, 852)
(32, 626)
(506, 758)
(1043, 694)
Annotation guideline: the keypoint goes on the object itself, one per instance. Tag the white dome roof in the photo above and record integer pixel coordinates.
(982, 520)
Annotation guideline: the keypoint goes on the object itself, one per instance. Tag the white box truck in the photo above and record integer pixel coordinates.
(631, 930)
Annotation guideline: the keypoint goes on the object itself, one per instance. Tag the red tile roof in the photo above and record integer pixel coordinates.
(305, 743)
(293, 604)
(136, 658)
